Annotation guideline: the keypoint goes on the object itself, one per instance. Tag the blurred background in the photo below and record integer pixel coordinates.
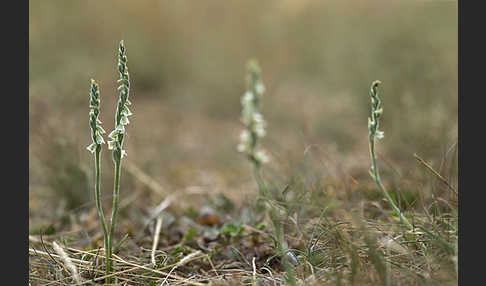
(187, 66)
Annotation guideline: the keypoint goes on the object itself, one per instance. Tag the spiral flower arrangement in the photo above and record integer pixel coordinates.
(252, 118)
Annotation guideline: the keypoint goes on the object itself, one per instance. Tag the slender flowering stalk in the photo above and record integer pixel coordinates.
(254, 124)
(374, 132)
(118, 134)
(95, 147)
(249, 137)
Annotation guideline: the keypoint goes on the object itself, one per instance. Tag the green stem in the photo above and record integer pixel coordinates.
(274, 215)
(114, 211)
(266, 194)
(382, 188)
(256, 174)
(279, 231)
(99, 206)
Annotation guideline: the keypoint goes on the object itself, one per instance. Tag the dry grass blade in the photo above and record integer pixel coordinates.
(188, 258)
(144, 178)
(422, 161)
(162, 206)
(111, 275)
(183, 261)
(146, 267)
(38, 252)
(67, 262)
(212, 266)
(158, 226)
(254, 269)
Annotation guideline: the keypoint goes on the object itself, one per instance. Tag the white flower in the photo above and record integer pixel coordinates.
(245, 136)
(124, 120)
(380, 134)
(113, 134)
(257, 117)
(261, 157)
(247, 98)
(127, 111)
(120, 129)
(111, 145)
(260, 130)
(91, 148)
(241, 147)
(260, 88)
(371, 123)
(99, 139)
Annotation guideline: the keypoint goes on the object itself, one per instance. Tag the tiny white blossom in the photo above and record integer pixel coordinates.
(247, 98)
(124, 120)
(257, 117)
(127, 111)
(261, 156)
(91, 148)
(99, 139)
(380, 134)
(244, 136)
(260, 88)
(241, 147)
(120, 128)
(260, 130)
(113, 134)
(371, 123)
(111, 145)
